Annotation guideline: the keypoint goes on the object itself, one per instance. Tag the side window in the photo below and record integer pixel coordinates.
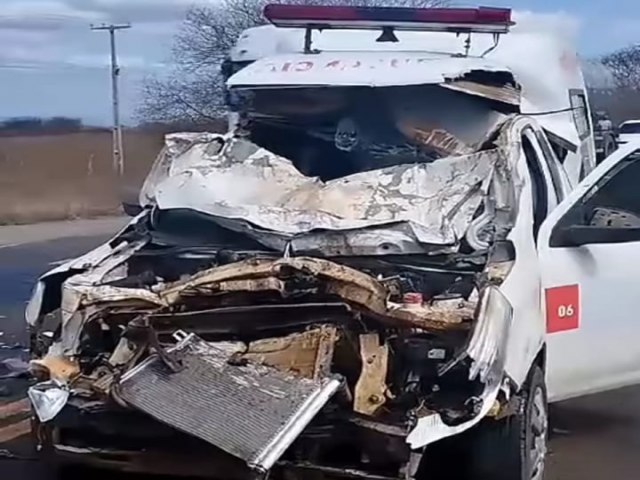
(578, 101)
(552, 163)
(538, 185)
(560, 146)
(614, 201)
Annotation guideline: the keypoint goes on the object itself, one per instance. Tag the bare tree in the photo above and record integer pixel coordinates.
(613, 81)
(193, 90)
(624, 64)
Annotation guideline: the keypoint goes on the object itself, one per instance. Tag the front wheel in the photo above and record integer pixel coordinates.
(609, 148)
(514, 448)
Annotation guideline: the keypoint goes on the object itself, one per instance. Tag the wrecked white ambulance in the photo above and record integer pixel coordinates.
(381, 272)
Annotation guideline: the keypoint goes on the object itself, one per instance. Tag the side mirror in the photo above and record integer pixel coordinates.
(578, 235)
(131, 209)
(129, 201)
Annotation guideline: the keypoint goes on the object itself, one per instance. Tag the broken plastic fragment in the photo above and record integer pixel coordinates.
(488, 345)
(487, 351)
(48, 399)
(432, 428)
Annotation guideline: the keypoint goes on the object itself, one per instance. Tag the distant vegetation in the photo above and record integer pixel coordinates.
(215, 125)
(27, 126)
(42, 126)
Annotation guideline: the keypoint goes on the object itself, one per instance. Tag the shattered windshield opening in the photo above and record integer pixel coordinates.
(335, 132)
(342, 171)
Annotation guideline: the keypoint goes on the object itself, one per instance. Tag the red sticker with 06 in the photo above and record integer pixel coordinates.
(563, 308)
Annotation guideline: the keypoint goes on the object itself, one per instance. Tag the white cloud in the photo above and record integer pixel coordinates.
(42, 14)
(49, 43)
(139, 11)
(56, 32)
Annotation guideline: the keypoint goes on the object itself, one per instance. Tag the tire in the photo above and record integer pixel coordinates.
(514, 448)
(609, 148)
(54, 467)
(496, 450)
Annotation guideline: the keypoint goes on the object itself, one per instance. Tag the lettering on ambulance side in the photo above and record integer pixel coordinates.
(301, 66)
(563, 308)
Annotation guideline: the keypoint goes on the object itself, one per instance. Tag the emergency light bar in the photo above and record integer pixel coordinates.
(457, 20)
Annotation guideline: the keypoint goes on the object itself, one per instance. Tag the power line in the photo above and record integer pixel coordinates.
(118, 153)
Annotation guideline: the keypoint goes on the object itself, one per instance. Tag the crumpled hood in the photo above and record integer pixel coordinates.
(247, 188)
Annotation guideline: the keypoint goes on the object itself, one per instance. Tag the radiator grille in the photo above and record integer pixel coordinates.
(252, 412)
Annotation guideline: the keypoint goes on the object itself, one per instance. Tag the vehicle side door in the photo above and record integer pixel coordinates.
(589, 255)
(556, 172)
(537, 196)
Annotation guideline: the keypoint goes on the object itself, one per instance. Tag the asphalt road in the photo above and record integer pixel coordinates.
(594, 438)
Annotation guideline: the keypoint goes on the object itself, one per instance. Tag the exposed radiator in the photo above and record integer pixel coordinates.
(252, 412)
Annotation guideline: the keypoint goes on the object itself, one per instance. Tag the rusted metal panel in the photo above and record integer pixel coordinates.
(307, 354)
(370, 391)
(55, 367)
(503, 93)
(329, 336)
(448, 314)
(355, 288)
(252, 318)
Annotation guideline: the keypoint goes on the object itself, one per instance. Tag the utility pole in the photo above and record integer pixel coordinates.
(118, 152)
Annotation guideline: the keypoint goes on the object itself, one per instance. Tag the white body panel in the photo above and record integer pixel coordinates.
(522, 285)
(344, 69)
(602, 353)
(629, 132)
(280, 61)
(628, 137)
(548, 45)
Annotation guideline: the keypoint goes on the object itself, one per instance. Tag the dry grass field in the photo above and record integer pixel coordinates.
(55, 177)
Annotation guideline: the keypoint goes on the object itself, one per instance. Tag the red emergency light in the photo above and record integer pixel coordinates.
(459, 20)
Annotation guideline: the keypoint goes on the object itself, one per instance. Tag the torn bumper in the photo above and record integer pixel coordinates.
(110, 437)
(295, 363)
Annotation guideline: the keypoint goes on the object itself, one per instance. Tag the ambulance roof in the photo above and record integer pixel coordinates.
(538, 52)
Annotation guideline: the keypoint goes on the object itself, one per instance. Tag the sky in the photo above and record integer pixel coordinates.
(51, 63)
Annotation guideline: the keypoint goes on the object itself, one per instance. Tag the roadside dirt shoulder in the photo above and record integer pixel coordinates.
(13, 235)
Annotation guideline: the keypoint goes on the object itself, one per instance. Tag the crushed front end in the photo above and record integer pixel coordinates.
(299, 363)
(255, 319)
